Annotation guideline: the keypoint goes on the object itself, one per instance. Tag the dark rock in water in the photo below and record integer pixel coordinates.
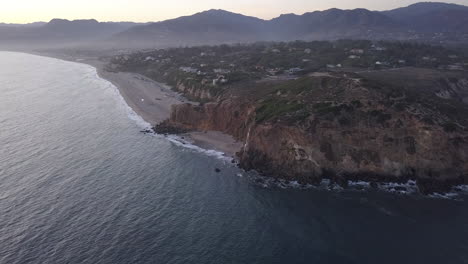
(430, 186)
(259, 180)
(146, 131)
(233, 161)
(359, 187)
(167, 128)
(400, 189)
(340, 180)
(217, 170)
(374, 185)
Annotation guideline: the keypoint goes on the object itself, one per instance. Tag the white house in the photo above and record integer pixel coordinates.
(294, 70)
(357, 51)
(188, 69)
(220, 79)
(221, 71)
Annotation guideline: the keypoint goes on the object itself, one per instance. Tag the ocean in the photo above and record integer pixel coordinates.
(79, 183)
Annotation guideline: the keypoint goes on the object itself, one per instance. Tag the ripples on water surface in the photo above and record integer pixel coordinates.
(80, 184)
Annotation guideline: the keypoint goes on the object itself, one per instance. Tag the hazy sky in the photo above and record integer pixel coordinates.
(23, 11)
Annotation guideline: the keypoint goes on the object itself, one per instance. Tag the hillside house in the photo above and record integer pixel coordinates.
(220, 79)
(357, 51)
(221, 71)
(295, 70)
(188, 69)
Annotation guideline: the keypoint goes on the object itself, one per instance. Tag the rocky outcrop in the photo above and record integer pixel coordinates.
(194, 93)
(226, 116)
(454, 89)
(362, 135)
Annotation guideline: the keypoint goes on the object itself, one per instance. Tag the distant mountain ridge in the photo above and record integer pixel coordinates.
(202, 28)
(34, 24)
(59, 33)
(422, 8)
(431, 16)
(220, 26)
(215, 26)
(331, 23)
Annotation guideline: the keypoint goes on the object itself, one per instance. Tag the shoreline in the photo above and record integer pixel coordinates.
(213, 140)
(153, 102)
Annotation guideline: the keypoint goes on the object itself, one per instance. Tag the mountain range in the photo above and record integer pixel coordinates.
(417, 21)
(59, 33)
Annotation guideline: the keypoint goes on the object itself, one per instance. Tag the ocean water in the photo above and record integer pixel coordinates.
(79, 183)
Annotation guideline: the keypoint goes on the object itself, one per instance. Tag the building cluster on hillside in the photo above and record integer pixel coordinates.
(221, 65)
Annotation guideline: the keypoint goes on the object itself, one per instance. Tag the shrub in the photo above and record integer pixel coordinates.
(449, 127)
(275, 108)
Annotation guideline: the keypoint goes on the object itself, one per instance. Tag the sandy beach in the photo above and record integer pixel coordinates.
(153, 101)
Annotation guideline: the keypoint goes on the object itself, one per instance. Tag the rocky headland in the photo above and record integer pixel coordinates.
(351, 121)
(341, 127)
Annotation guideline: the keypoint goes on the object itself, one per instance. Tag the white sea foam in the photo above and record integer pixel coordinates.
(359, 184)
(129, 111)
(408, 188)
(178, 141)
(461, 188)
(450, 195)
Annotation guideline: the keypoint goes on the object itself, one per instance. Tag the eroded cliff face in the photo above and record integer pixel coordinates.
(394, 153)
(192, 92)
(348, 139)
(456, 89)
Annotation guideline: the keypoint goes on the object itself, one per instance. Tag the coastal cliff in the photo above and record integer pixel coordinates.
(193, 92)
(343, 110)
(341, 127)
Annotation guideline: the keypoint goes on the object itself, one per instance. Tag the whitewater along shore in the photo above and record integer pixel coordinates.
(153, 101)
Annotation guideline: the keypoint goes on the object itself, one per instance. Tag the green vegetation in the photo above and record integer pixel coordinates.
(324, 108)
(274, 108)
(298, 86)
